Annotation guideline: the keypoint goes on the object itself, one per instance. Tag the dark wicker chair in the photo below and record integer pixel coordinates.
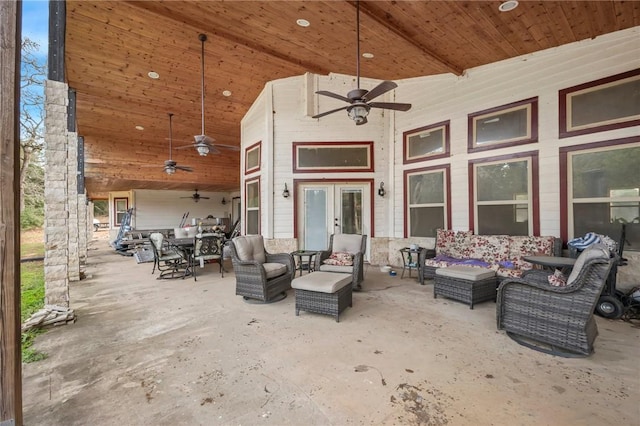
(555, 320)
(260, 275)
(206, 248)
(355, 244)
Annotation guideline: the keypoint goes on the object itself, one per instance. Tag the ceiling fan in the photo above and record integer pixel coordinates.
(203, 143)
(171, 166)
(360, 99)
(196, 197)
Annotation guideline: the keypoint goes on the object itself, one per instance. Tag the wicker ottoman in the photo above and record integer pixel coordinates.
(326, 293)
(465, 284)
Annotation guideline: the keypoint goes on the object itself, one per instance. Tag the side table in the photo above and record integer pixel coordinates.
(409, 259)
(301, 263)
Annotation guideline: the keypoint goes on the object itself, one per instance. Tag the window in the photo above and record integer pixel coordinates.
(252, 158)
(426, 143)
(506, 125)
(600, 105)
(505, 192)
(603, 190)
(120, 206)
(427, 198)
(322, 157)
(252, 212)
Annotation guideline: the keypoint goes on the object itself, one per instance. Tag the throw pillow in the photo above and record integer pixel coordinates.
(557, 279)
(340, 259)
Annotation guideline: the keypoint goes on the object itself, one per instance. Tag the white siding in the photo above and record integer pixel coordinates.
(282, 115)
(165, 209)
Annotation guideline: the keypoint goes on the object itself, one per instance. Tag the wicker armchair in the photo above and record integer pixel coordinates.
(346, 243)
(260, 275)
(555, 320)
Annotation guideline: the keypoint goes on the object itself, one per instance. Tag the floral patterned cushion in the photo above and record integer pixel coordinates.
(557, 279)
(453, 243)
(529, 246)
(490, 248)
(509, 272)
(340, 259)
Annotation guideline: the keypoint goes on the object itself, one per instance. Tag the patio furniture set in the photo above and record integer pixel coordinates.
(538, 308)
(179, 257)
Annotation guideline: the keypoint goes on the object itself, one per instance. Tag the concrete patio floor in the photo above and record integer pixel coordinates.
(180, 352)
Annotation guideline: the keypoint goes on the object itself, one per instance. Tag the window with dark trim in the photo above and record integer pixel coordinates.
(426, 143)
(507, 125)
(252, 206)
(328, 157)
(120, 207)
(252, 158)
(601, 190)
(427, 200)
(596, 106)
(504, 195)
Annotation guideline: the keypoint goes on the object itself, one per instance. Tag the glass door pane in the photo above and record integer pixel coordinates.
(350, 211)
(315, 218)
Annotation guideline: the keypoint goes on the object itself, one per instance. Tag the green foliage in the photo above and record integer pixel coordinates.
(31, 301)
(100, 208)
(32, 215)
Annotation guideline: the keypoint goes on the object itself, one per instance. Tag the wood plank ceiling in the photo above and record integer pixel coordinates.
(111, 46)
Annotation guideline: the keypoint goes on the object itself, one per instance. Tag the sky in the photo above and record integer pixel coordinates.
(35, 23)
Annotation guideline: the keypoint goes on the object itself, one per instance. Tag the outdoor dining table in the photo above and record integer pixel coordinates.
(564, 264)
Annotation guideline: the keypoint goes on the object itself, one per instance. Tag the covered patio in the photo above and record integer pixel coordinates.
(145, 351)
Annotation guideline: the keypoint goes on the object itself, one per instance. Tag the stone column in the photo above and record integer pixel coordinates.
(56, 216)
(83, 228)
(73, 206)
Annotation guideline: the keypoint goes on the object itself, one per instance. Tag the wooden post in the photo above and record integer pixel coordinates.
(10, 355)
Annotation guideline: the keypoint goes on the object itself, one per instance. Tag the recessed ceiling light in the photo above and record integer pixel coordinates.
(154, 75)
(303, 22)
(508, 5)
(139, 128)
(226, 93)
(367, 55)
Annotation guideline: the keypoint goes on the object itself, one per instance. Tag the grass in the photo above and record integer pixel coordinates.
(31, 301)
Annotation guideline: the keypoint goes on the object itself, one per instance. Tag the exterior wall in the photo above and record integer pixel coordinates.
(165, 209)
(434, 99)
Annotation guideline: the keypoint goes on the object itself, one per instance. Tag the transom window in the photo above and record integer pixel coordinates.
(504, 196)
(604, 192)
(252, 158)
(426, 143)
(506, 125)
(427, 201)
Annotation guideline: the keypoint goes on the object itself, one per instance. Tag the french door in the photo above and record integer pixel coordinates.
(332, 208)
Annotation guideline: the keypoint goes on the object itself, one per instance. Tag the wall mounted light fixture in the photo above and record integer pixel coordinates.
(223, 201)
(381, 190)
(285, 193)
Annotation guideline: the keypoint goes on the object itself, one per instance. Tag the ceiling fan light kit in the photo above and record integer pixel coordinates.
(360, 99)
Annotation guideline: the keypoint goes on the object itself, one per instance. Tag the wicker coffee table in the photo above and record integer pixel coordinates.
(327, 293)
(465, 284)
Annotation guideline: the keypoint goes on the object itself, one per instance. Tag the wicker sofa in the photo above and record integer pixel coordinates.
(501, 253)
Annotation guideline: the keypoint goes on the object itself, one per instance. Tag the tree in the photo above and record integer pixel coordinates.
(33, 74)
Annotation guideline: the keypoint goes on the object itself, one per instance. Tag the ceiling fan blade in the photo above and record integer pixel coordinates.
(231, 147)
(333, 95)
(152, 166)
(380, 89)
(185, 146)
(391, 105)
(200, 139)
(184, 168)
(322, 114)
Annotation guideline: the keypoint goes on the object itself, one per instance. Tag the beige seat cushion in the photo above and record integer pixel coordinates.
(322, 282)
(336, 268)
(250, 248)
(468, 273)
(273, 270)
